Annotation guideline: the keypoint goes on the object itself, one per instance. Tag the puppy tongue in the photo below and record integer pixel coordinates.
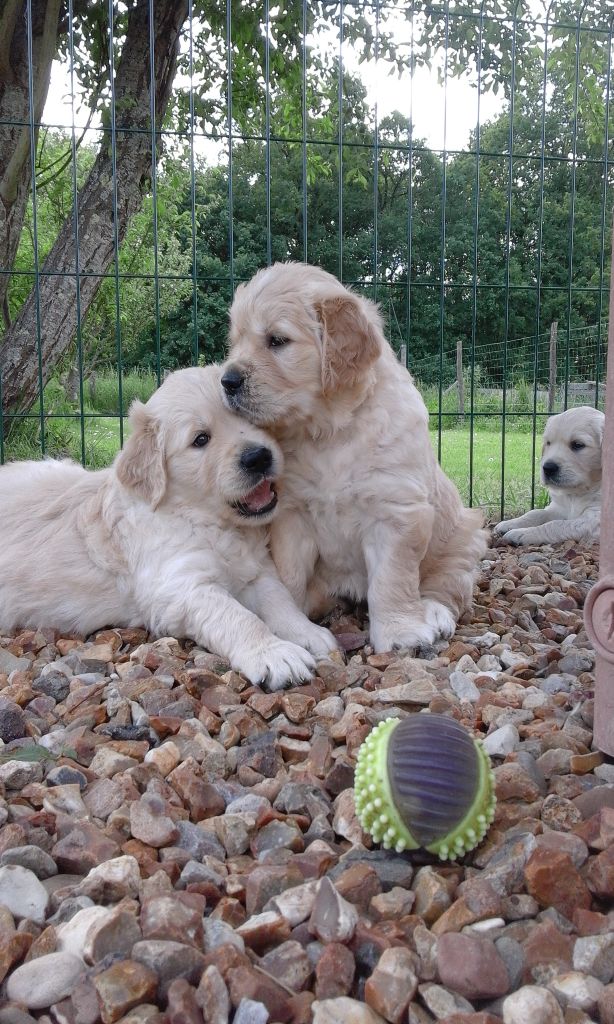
(260, 497)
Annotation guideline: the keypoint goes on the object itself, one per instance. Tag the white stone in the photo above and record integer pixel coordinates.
(122, 871)
(39, 983)
(485, 640)
(532, 1005)
(165, 757)
(577, 990)
(502, 741)
(71, 935)
(17, 774)
(344, 1010)
(22, 893)
(295, 904)
(463, 686)
(510, 659)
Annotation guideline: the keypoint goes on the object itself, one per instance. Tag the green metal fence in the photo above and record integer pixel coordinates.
(451, 160)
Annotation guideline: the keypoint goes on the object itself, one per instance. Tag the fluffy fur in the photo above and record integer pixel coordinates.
(571, 473)
(365, 510)
(164, 538)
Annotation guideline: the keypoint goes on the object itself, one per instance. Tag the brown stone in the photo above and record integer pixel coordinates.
(199, 796)
(224, 958)
(432, 895)
(512, 782)
(554, 881)
(391, 905)
(212, 996)
(590, 922)
(392, 985)
(600, 874)
(334, 972)
(471, 966)
(83, 848)
(264, 930)
(547, 952)
(168, 917)
(123, 986)
(265, 882)
(289, 964)
(606, 1005)
(13, 948)
(359, 884)
(250, 983)
(183, 1007)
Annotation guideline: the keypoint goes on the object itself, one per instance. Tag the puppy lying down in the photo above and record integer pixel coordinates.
(172, 537)
(571, 473)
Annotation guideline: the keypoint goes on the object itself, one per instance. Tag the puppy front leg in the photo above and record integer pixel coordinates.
(269, 599)
(536, 517)
(585, 530)
(213, 618)
(295, 554)
(397, 614)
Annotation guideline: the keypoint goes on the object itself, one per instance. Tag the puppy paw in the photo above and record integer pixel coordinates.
(318, 640)
(440, 618)
(411, 634)
(280, 665)
(502, 527)
(516, 537)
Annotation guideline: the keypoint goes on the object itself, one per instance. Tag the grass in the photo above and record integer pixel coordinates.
(102, 439)
(487, 461)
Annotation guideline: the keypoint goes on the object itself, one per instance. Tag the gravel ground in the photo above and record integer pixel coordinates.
(181, 847)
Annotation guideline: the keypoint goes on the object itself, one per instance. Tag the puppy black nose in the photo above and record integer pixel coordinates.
(232, 380)
(257, 460)
(550, 469)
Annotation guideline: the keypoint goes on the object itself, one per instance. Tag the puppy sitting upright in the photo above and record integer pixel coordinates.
(366, 511)
(170, 537)
(571, 473)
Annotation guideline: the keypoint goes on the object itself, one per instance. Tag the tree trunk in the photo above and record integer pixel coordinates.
(15, 163)
(99, 217)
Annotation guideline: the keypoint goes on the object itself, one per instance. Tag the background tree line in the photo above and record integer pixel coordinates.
(506, 220)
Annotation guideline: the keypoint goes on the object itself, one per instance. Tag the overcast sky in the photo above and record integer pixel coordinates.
(424, 98)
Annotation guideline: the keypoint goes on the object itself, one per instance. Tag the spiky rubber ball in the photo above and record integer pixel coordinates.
(423, 782)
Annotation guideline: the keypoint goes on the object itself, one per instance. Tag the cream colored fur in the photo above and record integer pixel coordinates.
(574, 512)
(156, 540)
(365, 510)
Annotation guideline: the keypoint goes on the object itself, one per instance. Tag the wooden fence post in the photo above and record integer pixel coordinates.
(599, 607)
(554, 327)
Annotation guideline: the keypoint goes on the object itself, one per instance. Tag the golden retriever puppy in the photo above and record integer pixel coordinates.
(365, 510)
(571, 473)
(172, 537)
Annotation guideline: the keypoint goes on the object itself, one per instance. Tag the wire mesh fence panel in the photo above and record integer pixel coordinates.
(451, 160)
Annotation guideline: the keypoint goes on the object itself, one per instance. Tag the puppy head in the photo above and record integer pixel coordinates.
(187, 451)
(298, 341)
(571, 451)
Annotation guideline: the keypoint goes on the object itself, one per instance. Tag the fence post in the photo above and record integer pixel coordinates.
(599, 607)
(403, 354)
(554, 327)
(460, 382)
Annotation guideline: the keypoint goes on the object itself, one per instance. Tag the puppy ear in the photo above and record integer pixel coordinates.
(351, 342)
(141, 465)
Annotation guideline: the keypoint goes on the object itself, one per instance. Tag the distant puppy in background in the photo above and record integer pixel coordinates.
(365, 510)
(571, 473)
(170, 537)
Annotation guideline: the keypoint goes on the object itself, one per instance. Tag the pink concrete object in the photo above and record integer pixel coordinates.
(599, 607)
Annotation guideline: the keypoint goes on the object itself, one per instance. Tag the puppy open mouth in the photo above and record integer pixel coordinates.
(259, 501)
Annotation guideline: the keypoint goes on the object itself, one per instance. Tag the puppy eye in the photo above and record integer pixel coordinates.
(577, 446)
(200, 440)
(277, 341)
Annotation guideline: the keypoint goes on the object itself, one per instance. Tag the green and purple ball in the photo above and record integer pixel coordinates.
(423, 782)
